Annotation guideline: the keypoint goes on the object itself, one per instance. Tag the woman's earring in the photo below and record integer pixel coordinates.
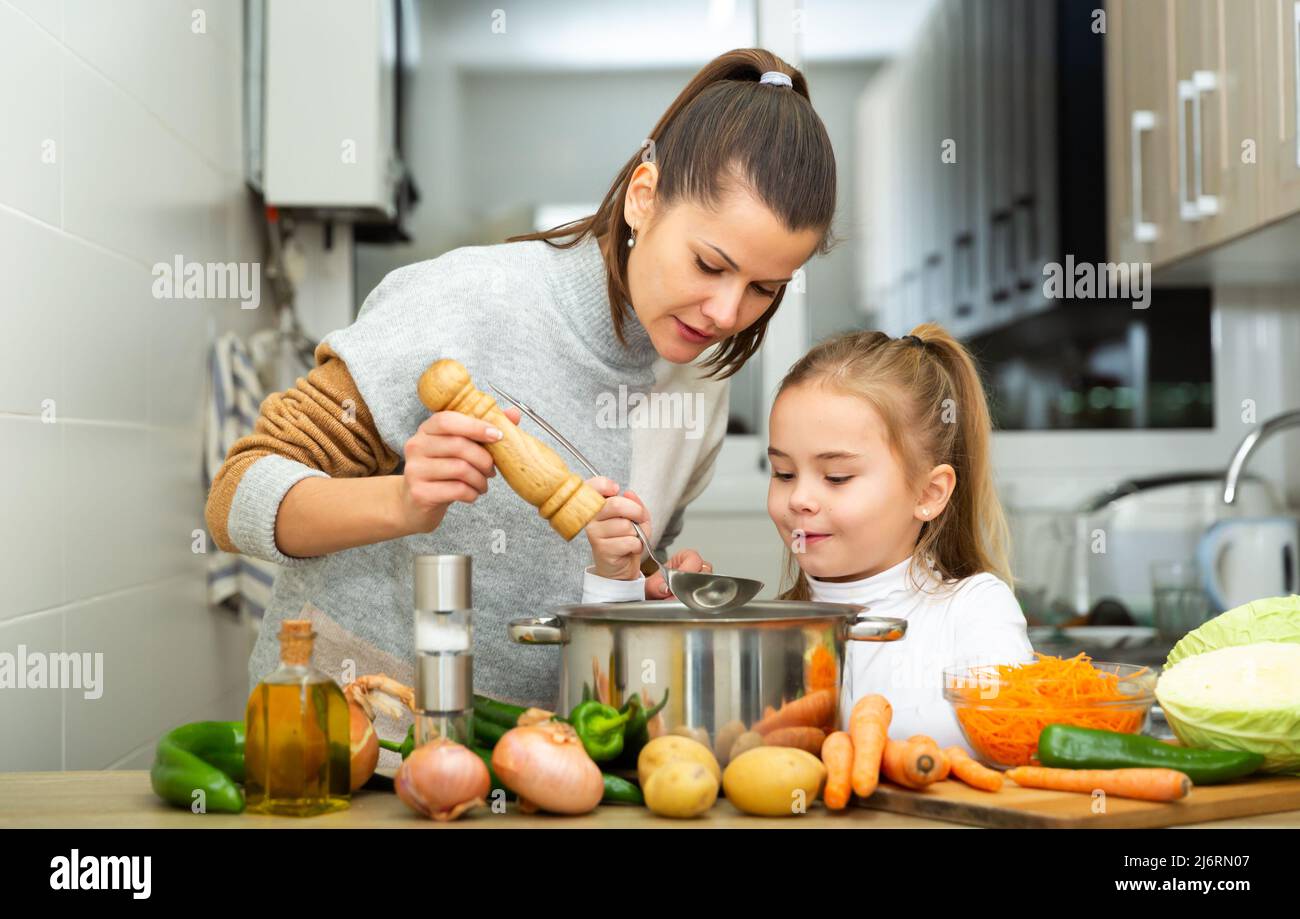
(631, 238)
(925, 512)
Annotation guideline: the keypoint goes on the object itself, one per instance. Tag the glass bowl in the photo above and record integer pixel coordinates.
(1003, 730)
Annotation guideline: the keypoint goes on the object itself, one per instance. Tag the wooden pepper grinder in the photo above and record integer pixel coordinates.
(534, 470)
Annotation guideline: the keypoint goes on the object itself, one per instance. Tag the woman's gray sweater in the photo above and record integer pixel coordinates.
(535, 320)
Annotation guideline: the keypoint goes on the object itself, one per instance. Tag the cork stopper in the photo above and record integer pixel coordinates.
(295, 642)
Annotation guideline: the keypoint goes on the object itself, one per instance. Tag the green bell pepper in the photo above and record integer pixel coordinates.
(1067, 747)
(600, 727)
(205, 756)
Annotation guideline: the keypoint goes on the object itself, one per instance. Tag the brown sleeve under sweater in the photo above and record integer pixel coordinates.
(321, 422)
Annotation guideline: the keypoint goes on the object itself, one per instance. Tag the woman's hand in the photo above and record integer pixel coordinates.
(656, 587)
(615, 548)
(445, 462)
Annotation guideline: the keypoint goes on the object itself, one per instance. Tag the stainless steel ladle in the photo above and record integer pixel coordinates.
(701, 591)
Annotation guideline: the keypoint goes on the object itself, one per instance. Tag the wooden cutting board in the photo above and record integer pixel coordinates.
(1017, 807)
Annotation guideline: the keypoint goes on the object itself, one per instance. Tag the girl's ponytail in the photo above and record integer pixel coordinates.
(971, 534)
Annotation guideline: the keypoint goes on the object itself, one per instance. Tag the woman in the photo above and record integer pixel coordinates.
(689, 251)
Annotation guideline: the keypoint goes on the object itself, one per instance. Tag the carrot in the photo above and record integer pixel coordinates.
(911, 764)
(837, 755)
(1143, 784)
(809, 739)
(868, 729)
(822, 670)
(974, 774)
(805, 712)
(944, 766)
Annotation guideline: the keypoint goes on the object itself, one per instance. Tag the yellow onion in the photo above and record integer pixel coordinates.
(547, 767)
(442, 779)
(365, 746)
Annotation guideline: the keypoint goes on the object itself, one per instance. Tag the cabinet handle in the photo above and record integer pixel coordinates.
(1296, 87)
(1026, 241)
(1187, 208)
(1193, 205)
(1203, 81)
(1143, 120)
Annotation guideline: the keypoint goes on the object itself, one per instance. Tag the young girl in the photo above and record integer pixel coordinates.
(883, 494)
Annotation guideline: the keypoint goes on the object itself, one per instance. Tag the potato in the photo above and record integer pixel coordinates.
(728, 734)
(699, 734)
(774, 781)
(670, 747)
(744, 743)
(680, 788)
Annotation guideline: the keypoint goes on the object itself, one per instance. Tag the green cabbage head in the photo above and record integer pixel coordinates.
(1234, 683)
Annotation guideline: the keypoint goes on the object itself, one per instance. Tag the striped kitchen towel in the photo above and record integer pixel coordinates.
(235, 393)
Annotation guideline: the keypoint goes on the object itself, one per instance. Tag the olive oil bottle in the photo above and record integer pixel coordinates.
(297, 752)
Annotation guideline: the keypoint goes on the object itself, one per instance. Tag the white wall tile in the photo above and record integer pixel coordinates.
(166, 659)
(31, 101)
(48, 14)
(32, 496)
(33, 718)
(130, 185)
(31, 311)
(106, 510)
(176, 341)
(174, 508)
(105, 308)
(189, 80)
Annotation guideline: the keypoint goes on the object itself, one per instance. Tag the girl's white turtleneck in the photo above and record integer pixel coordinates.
(976, 620)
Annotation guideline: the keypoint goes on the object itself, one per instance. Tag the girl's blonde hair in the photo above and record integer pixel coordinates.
(928, 392)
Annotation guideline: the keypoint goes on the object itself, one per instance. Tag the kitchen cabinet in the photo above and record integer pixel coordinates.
(961, 148)
(1216, 95)
(1277, 38)
(1142, 136)
(1202, 148)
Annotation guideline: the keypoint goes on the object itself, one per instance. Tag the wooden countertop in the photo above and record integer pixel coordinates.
(124, 799)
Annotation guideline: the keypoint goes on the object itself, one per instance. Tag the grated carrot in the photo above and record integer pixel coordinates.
(1004, 729)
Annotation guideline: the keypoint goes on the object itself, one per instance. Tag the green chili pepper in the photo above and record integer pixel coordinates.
(621, 791)
(504, 713)
(1067, 747)
(637, 733)
(206, 756)
(600, 727)
(486, 756)
(486, 733)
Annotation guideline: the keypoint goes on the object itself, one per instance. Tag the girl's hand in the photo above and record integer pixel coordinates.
(686, 560)
(445, 462)
(615, 548)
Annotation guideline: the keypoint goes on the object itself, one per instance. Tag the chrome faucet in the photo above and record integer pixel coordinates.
(1249, 443)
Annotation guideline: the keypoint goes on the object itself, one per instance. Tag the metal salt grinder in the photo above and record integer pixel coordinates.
(444, 666)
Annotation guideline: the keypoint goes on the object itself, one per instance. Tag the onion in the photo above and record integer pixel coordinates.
(365, 745)
(442, 779)
(547, 767)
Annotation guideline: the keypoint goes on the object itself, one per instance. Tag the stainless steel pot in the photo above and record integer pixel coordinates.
(720, 672)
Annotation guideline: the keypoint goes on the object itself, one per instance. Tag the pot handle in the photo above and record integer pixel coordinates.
(537, 630)
(873, 628)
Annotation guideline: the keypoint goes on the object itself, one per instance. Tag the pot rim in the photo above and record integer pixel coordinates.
(762, 612)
